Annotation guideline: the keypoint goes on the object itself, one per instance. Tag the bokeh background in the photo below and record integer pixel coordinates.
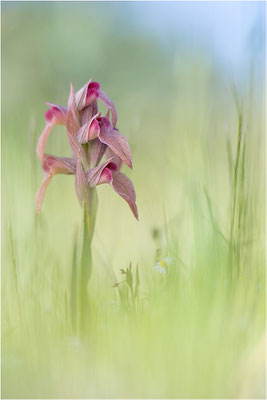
(178, 73)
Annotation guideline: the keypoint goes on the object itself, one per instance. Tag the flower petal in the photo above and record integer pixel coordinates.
(39, 196)
(124, 187)
(80, 96)
(88, 112)
(73, 126)
(93, 175)
(96, 151)
(115, 141)
(81, 184)
(169, 260)
(110, 105)
(106, 176)
(73, 123)
(116, 160)
(57, 114)
(87, 94)
(89, 131)
(58, 165)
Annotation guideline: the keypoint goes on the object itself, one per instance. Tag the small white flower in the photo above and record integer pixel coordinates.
(163, 265)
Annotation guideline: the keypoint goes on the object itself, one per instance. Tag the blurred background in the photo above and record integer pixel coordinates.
(177, 72)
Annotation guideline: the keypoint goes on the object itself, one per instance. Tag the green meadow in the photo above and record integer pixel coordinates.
(196, 134)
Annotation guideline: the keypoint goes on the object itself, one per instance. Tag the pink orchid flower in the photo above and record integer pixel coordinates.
(51, 166)
(56, 115)
(90, 137)
(102, 129)
(109, 172)
(88, 95)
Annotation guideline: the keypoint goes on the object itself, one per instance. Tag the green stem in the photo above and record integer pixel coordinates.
(85, 258)
(133, 297)
(236, 169)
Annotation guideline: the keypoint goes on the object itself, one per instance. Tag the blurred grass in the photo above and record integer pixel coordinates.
(197, 333)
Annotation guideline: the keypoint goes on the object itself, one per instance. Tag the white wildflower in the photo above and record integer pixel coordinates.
(163, 265)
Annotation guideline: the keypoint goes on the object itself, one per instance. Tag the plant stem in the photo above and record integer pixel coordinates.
(85, 258)
(234, 205)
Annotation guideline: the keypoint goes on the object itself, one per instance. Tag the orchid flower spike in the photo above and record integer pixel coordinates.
(90, 136)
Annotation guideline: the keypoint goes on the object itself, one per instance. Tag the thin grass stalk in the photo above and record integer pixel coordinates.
(241, 209)
(14, 265)
(235, 193)
(212, 217)
(73, 288)
(230, 162)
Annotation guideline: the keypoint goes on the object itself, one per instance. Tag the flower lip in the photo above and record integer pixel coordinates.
(93, 175)
(53, 165)
(90, 130)
(92, 92)
(112, 166)
(49, 114)
(47, 164)
(104, 121)
(55, 115)
(106, 176)
(93, 85)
